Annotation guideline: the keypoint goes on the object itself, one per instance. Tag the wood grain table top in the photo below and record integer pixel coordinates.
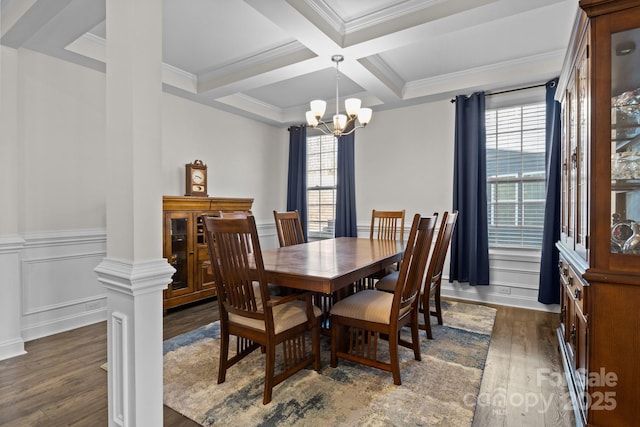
(329, 265)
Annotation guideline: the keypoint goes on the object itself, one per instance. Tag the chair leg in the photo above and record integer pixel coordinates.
(315, 344)
(427, 315)
(393, 354)
(415, 338)
(438, 308)
(224, 357)
(335, 336)
(270, 366)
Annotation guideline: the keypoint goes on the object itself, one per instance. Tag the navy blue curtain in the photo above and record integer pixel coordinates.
(297, 180)
(549, 287)
(470, 240)
(346, 188)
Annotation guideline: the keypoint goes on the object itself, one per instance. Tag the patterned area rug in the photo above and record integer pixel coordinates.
(440, 390)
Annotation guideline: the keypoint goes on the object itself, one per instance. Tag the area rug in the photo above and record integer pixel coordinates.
(440, 390)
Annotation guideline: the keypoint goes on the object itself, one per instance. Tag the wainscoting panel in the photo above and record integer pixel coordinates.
(60, 290)
(514, 277)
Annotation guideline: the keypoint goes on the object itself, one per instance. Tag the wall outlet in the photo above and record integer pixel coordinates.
(93, 305)
(504, 290)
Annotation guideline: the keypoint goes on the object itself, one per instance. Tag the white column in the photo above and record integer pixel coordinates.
(11, 342)
(134, 272)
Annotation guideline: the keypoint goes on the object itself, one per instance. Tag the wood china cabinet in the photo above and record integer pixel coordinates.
(185, 247)
(599, 247)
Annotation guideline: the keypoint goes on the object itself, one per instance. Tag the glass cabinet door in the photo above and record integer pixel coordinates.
(180, 254)
(625, 142)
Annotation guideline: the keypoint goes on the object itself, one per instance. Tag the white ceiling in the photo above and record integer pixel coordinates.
(266, 59)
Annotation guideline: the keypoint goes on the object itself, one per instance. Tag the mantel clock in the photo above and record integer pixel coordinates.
(196, 179)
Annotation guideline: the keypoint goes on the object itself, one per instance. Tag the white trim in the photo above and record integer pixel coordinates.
(118, 368)
(11, 244)
(62, 324)
(12, 348)
(134, 278)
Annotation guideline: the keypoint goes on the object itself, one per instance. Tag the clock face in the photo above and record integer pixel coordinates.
(197, 176)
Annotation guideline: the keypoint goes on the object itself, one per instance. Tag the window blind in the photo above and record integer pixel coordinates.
(516, 175)
(321, 185)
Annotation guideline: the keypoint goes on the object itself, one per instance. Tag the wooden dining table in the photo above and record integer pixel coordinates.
(326, 266)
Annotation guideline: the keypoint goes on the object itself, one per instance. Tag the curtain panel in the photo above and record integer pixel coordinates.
(549, 287)
(346, 224)
(470, 241)
(297, 178)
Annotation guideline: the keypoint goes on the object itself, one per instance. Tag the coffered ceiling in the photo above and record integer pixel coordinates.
(266, 59)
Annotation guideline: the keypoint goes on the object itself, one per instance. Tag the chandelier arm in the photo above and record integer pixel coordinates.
(321, 124)
(352, 130)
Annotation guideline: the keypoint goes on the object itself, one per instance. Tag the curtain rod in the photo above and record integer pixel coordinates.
(510, 90)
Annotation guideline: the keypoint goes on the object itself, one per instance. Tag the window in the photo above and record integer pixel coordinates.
(516, 175)
(322, 174)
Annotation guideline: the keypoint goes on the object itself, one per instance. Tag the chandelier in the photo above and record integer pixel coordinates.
(343, 124)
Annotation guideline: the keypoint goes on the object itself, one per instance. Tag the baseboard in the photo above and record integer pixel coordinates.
(11, 349)
(486, 294)
(63, 324)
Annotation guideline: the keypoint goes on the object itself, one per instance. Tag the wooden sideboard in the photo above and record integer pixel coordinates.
(185, 247)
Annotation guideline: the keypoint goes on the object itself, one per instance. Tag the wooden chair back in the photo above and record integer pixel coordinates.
(433, 278)
(289, 228)
(387, 225)
(447, 224)
(232, 244)
(413, 264)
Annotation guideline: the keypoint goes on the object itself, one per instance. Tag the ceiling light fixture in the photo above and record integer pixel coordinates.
(342, 124)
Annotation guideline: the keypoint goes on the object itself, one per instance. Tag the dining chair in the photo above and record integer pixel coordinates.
(358, 321)
(433, 278)
(249, 312)
(385, 225)
(289, 228)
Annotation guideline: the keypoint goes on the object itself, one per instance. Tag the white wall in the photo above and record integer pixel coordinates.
(244, 158)
(403, 159)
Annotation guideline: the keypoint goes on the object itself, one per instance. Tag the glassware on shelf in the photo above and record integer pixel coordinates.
(628, 103)
(625, 165)
(632, 245)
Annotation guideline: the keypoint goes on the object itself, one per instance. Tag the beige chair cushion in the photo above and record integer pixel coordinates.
(369, 305)
(285, 316)
(388, 283)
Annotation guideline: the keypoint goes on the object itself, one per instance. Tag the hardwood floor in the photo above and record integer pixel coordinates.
(59, 381)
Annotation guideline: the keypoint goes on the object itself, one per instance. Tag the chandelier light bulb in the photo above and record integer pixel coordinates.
(311, 119)
(352, 105)
(318, 108)
(364, 116)
(339, 123)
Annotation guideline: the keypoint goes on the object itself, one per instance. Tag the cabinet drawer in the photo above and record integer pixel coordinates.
(578, 291)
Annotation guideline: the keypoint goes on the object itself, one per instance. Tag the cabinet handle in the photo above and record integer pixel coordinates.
(570, 280)
(578, 294)
(572, 334)
(574, 159)
(565, 271)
